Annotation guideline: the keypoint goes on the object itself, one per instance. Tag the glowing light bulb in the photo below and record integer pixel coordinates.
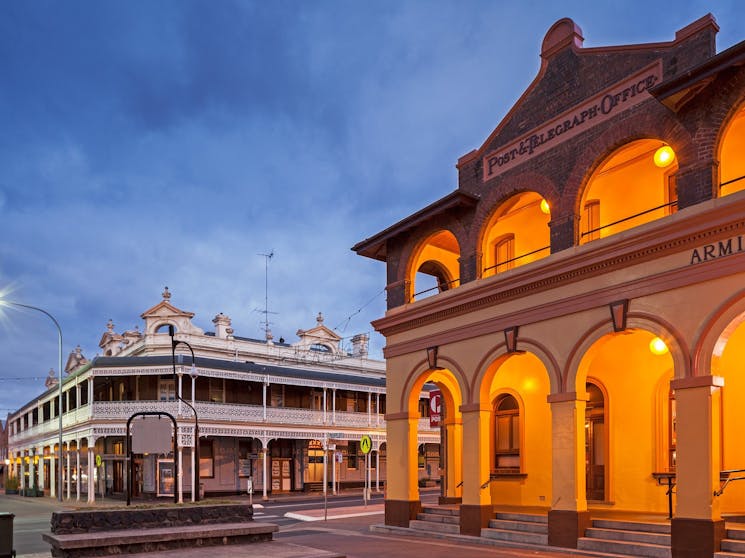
(664, 156)
(657, 346)
(545, 208)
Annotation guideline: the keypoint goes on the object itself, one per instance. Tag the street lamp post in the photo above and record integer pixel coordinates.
(59, 402)
(193, 373)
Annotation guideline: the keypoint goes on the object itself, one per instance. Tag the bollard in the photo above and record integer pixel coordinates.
(6, 535)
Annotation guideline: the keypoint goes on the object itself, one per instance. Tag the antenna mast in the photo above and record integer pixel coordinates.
(267, 330)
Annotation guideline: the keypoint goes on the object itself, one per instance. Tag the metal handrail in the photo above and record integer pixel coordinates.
(728, 479)
(664, 205)
(435, 287)
(516, 258)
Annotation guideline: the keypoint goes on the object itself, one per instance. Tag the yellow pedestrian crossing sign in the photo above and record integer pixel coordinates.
(366, 444)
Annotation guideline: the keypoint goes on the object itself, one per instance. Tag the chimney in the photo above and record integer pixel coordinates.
(359, 345)
(222, 326)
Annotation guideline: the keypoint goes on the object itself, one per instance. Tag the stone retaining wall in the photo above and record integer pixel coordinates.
(90, 521)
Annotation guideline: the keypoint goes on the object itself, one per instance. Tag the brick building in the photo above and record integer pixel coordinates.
(579, 298)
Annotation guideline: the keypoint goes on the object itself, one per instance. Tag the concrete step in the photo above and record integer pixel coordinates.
(728, 555)
(433, 526)
(441, 510)
(631, 526)
(514, 536)
(527, 517)
(624, 548)
(733, 545)
(661, 539)
(438, 518)
(512, 525)
(736, 534)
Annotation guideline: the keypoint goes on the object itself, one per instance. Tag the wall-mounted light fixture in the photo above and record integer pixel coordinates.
(510, 339)
(618, 311)
(432, 357)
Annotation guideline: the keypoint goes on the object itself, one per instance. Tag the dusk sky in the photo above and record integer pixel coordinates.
(152, 143)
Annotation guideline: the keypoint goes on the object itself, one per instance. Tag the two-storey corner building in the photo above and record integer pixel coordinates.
(272, 412)
(580, 298)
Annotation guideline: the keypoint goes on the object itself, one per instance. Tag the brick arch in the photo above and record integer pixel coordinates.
(652, 124)
(415, 242)
(714, 333)
(505, 189)
(716, 118)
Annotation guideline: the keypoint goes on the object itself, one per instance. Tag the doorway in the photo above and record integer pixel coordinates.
(595, 442)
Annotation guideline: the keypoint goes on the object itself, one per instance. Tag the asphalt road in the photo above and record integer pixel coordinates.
(350, 536)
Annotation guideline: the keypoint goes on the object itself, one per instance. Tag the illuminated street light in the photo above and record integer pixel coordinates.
(10, 304)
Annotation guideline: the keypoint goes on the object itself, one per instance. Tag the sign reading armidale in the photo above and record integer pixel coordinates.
(617, 98)
(720, 249)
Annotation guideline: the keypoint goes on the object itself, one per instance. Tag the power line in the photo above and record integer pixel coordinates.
(345, 323)
(23, 379)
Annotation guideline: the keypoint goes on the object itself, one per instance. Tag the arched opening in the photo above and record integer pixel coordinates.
(635, 185)
(731, 161)
(435, 266)
(163, 328)
(516, 234)
(729, 355)
(438, 452)
(517, 387)
(621, 374)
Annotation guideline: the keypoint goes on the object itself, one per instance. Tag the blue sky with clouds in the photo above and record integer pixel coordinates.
(150, 143)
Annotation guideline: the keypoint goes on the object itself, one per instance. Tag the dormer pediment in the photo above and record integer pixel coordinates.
(165, 313)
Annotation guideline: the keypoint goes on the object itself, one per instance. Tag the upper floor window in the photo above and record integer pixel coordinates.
(635, 185)
(516, 234)
(731, 160)
(166, 390)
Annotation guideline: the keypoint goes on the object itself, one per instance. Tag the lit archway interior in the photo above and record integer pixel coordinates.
(628, 423)
(435, 267)
(448, 455)
(731, 160)
(729, 355)
(516, 388)
(635, 185)
(516, 234)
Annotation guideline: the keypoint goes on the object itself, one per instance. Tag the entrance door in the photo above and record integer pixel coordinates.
(595, 442)
(315, 465)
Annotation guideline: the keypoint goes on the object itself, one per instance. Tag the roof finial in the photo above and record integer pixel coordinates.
(110, 325)
(166, 294)
(319, 319)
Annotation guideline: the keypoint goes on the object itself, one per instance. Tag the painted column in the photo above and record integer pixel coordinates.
(91, 473)
(453, 462)
(369, 409)
(40, 453)
(697, 525)
(263, 471)
(52, 473)
(67, 459)
(90, 391)
(180, 478)
(324, 405)
(476, 509)
(194, 486)
(402, 503)
(77, 472)
(377, 409)
(32, 470)
(377, 469)
(333, 406)
(266, 383)
(22, 484)
(568, 517)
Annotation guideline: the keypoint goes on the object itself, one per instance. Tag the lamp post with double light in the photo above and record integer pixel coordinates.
(11, 304)
(193, 374)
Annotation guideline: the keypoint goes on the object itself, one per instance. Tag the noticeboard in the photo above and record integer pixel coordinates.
(166, 477)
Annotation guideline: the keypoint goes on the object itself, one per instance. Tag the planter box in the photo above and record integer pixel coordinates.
(11, 491)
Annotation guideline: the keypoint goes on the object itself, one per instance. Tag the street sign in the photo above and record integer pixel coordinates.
(366, 444)
(435, 408)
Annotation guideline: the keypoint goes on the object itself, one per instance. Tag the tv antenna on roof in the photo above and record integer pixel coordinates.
(267, 330)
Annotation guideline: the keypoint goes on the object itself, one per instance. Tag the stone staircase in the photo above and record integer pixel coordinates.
(627, 538)
(439, 519)
(518, 528)
(733, 545)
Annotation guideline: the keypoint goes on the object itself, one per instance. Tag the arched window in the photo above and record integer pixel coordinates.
(633, 186)
(732, 163)
(516, 234)
(506, 434)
